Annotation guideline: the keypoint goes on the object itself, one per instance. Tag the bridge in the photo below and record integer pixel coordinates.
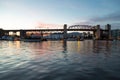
(97, 31)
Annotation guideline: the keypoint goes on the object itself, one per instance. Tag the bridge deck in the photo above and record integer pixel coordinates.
(52, 30)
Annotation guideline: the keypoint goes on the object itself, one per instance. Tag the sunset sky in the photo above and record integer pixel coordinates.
(23, 14)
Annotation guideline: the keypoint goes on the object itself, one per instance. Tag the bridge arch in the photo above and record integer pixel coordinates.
(81, 27)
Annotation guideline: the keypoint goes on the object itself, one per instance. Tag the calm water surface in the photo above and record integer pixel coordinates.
(60, 60)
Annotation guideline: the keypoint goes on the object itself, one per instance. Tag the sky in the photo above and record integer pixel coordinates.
(31, 14)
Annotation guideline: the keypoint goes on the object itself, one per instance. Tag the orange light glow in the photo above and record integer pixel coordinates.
(45, 25)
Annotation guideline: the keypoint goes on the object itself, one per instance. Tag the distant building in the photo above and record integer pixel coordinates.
(115, 34)
(54, 36)
(75, 34)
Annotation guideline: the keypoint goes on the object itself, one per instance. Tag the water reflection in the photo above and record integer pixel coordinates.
(79, 45)
(102, 47)
(59, 60)
(15, 44)
(64, 46)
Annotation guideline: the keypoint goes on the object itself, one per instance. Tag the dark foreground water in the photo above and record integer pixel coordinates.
(60, 60)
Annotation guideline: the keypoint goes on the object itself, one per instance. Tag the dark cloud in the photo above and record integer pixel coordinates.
(113, 19)
(107, 18)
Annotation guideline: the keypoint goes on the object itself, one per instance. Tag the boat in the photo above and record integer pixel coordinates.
(7, 38)
(33, 39)
(71, 39)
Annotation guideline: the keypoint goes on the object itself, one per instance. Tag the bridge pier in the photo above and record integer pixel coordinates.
(1, 33)
(41, 34)
(98, 32)
(65, 31)
(108, 28)
(22, 34)
(102, 34)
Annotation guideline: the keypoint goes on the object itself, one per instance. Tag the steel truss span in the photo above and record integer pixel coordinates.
(80, 27)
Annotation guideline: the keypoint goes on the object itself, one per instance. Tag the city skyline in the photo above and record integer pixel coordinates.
(29, 14)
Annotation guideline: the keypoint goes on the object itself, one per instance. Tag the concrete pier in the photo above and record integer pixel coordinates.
(98, 32)
(65, 31)
(1, 33)
(108, 28)
(22, 34)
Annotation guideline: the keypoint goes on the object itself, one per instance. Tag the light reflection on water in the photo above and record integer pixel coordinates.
(60, 60)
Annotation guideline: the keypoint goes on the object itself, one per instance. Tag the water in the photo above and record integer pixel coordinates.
(60, 60)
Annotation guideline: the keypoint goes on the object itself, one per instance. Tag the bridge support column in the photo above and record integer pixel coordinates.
(22, 34)
(94, 34)
(98, 32)
(65, 31)
(41, 34)
(1, 33)
(108, 27)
